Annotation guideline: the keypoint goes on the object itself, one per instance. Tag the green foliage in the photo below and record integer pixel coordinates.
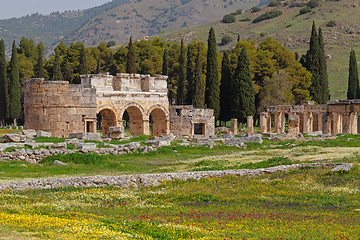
(272, 162)
(68, 72)
(14, 86)
(353, 91)
(76, 158)
(190, 74)
(305, 10)
(131, 58)
(226, 40)
(165, 65)
(83, 67)
(4, 84)
(245, 19)
(39, 69)
(212, 90)
(313, 3)
(268, 15)
(242, 90)
(274, 3)
(323, 71)
(228, 18)
(199, 92)
(110, 44)
(225, 88)
(331, 23)
(57, 74)
(181, 81)
(255, 9)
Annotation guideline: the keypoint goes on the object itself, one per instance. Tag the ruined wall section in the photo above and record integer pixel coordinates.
(58, 107)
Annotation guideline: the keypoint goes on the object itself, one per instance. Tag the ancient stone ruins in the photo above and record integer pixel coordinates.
(105, 100)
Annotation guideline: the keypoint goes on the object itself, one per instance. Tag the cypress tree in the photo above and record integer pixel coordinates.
(312, 64)
(57, 75)
(323, 71)
(39, 66)
(212, 92)
(181, 83)
(131, 58)
(165, 65)
(353, 83)
(14, 86)
(189, 77)
(4, 85)
(199, 89)
(242, 90)
(238, 37)
(68, 72)
(112, 65)
(225, 88)
(83, 67)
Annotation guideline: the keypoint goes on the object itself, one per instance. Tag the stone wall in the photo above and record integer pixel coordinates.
(189, 121)
(58, 107)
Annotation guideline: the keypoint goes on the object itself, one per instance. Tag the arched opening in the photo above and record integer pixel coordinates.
(158, 122)
(106, 119)
(134, 119)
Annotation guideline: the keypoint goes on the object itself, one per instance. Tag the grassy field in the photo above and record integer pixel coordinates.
(302, 204)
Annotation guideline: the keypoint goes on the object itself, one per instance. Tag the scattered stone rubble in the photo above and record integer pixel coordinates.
(127, 181)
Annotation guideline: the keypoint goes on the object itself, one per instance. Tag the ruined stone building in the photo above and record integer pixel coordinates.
(63, 108)
(340, 116)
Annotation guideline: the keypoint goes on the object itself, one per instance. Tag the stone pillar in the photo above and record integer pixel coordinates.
(294, 124)
(346, 123)
(282, 125)
(353, 126)
(268, 122)
(250, 125)
(307, 122)
(326, 124)
(336, 123)
(319, 122)
(263, 122)
(277, 126)
(234, 126)
(146, 127)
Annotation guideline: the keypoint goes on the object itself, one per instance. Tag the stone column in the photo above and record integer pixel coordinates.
(319, 122)
(282, 124)
(353, 126)
(268, 122)
(294, 124)
(263, 122)
(336, 123)
(146, 127)
(277, 122)
(250, 125)
(326, 124)
(346, 123)
(234, 126)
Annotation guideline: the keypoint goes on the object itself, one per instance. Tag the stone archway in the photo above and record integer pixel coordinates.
(159, 122)
(107, 119)
(137, 125)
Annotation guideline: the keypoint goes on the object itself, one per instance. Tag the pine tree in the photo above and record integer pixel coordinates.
(165, 65)
(68, 72)
(189, 77)
(312, 63)
(181, 83)
(212, 92)
(39, 67)
(112, 65)
(131, 58)
(242, 90)
(98, 66)
(323, 71)
(14, 86)
(199, 90)
(57, 75)
(353, 83)
(225, 88)
(4, 85)
(83, 67)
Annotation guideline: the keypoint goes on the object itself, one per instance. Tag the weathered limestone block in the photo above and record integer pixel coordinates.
(43, 134)
(30, 133)
(8, 138)
(234, 126)
(294, 125)
(116, 132)
(87, 147)
(86, 136)
(250, 125)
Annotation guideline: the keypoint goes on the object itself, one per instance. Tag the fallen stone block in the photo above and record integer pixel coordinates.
(343, 168)
(87, 147)
(30, 133)
(170, 137)
(229, 135)
(59, 163)
(116, 132)
(43, 134)
(316, 133)
(8, 138)
(161, 143)
(59, 145)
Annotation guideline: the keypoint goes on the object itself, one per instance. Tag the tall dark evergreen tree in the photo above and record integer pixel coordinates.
(68, 72)
(83, 67)
(39, 70)
(199, 90)
(242, 90)
(189, 77)
(131, 58)
(112, 65)
(4, 85)
(225, 88)
(98, 65)
(212, 92)
(353, 83)
(323, 70)
(14, 86)
(165, 65)
(57, 74)
(181, 83)
(238, 37)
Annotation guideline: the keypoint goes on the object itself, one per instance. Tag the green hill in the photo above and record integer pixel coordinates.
(293, 31)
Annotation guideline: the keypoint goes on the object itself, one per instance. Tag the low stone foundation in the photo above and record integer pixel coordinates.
(127, 181)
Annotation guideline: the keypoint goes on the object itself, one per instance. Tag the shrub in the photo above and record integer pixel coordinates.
(110, 44)
(228, 18)
(313, 3)
(226, 39)
(274, 3)
(245, 20)
(305, 10)
(237, 12)
(331, 23)
(255, 9)
(268, 15)
(297, 4)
